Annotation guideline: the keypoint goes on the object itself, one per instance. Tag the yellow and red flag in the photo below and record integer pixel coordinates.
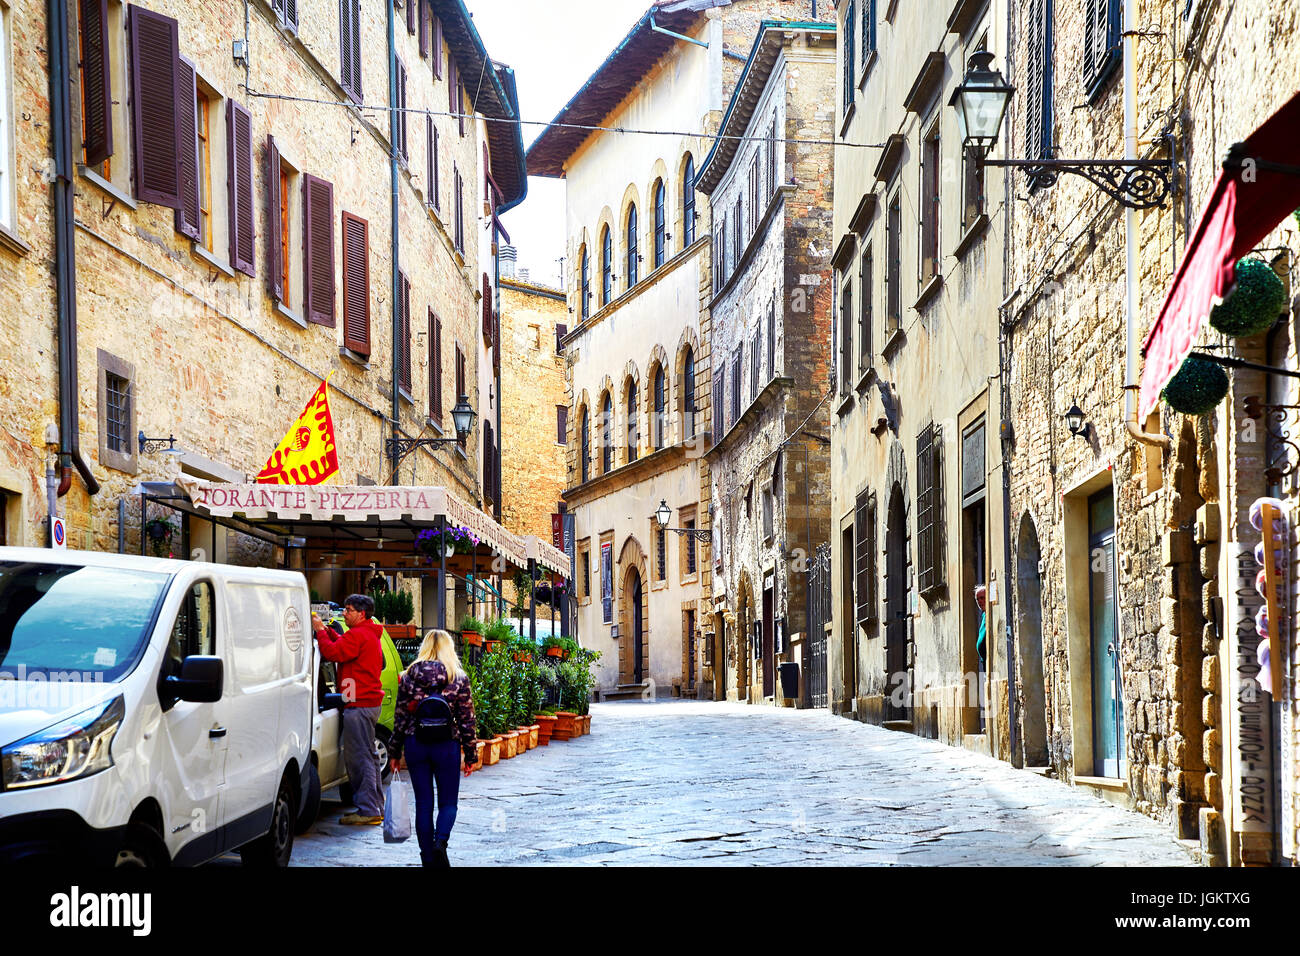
(307, 454)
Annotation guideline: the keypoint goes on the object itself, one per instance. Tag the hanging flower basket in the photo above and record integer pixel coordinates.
(1257, 299)
(1197, 387)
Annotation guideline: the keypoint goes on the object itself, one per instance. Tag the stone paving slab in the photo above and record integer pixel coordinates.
(692, 783)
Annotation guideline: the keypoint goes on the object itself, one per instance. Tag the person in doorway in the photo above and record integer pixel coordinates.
(981, 601)
(435, 727)
(360, 661)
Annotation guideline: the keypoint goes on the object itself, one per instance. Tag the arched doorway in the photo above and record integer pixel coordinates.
(1029, 628)
(898, 678)
(637, 632)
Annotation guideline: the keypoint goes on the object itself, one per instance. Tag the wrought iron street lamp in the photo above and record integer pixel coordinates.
(981, 104)
(664, 514)
(1074, 421)
(148, 446)
(462, 417)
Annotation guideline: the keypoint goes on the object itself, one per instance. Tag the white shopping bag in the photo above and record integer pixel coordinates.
(397, 812)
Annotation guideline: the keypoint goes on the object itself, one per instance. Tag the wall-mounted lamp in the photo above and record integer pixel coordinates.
(148, 446)
(1074, 421)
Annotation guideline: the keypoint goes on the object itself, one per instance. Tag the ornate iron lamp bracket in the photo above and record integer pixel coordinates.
(1287, 460)
(1133, 183)
(398, 448)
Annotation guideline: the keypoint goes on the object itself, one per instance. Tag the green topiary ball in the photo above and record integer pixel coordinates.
(1256, 300)
(1196, 387)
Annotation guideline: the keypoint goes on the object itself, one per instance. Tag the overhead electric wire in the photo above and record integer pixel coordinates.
(551, 124)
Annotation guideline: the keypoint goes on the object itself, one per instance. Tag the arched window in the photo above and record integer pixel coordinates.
(660, 226)
(632, 431)
(606, 267)
(606, 435)
(688, 396)
(658, 432)
(585, 450)
(688, 203)
(585, 283)
(632, 256)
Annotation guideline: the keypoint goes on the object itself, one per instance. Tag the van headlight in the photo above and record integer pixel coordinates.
(76, 747)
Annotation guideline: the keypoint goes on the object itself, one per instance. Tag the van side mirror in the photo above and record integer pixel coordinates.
(332, 702)
(200, 680)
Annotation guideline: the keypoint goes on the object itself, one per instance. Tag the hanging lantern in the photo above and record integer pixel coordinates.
(1257, 299)
(1196, 388)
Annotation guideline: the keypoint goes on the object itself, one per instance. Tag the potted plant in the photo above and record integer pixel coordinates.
(160, 531)
(545, 724)
(496, 633)
(471, 630)
(399, 610)
(553, 646)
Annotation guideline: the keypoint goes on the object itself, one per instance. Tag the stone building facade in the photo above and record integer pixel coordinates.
(915, 501)
(278, 226)
(535, 407)
(1134, 600)
(638, 269)
(770, 199)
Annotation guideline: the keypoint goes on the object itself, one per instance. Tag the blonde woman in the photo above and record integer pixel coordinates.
(434, 723)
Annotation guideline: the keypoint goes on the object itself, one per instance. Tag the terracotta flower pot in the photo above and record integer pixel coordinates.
(490, 646)
(511, 743)
(478, 749)
(533, 731)
(491, 751)
(545, 724)
(586, 723)
(473, 638)
(555, 652)
(564, 725)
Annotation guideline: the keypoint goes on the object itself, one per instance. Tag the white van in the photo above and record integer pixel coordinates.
(152, 711)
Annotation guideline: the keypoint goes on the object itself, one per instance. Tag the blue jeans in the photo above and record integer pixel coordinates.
(429, 764)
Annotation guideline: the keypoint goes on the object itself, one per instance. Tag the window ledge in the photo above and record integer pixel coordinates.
(1103, 783)
(872, 57)
(892, 342)
(928, 290)
(355, 357)
(405, 395)
(292, 316)
(11, 242)
(845, 404)
(659, 585)
(91, 176)
(690, 579)
(865, 380)
(848, 118)
(202, 253)
(973, 232)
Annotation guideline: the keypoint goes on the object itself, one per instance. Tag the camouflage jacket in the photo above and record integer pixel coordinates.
(419, 681)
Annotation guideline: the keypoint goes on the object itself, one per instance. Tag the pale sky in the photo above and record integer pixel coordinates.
(553, 46)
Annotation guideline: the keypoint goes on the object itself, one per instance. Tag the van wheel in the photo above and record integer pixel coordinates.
(382, 738)
(141, 847)
(276, 846)
(310, 802)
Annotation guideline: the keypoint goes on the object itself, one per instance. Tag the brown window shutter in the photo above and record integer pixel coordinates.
(239, 177)
(155, 64)
(460, 380)
(411, 7)
(187, 215)
(318, 250)
(435, 368)
(350, 47)
(561, 330)
(431, 179)
(561, 424)
(401, 110)
(291, 14)
(274, 267)
(460, 103)
(97, 97)
(403, 349)
(487, 311)
(425, 12)
(437, 47)
(356, 284)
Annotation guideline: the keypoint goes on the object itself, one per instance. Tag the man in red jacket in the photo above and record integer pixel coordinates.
(360, 660)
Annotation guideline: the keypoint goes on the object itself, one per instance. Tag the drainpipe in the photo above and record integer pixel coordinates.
(65, 266)
(393, 177)
(677, 36)
(1131, 386)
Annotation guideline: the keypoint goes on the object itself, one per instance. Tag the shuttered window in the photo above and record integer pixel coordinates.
(771, 340)
(356, 284)
(893, 265)
(719, 402)
(661, 554)
(606, 266)
(350, 48)
(737, 367)
(286, 12)
(425, 14)
(486, 302)
(688, 202)
(155, 102)
(561, 330)
(850, 62)
(437, 47)
(561, 424)
(458, 209)
(772, 147)
(96, 83)
(1101, 43)
(607, 435)
(187, 213)
(431, 144)
(930, 205)
(755, 360)
(688, 393)
(633, 431)
(1038, 71)
(412, 7)
(868, 28)
(401, 111)
(460, 383)
(318, 252)
(435, 368)
(657, 427)
(491, 475)
(275, 223)
(633, 256)
(864, 557)
(584, 283)
(929, 508)
(865, 266)
(846, 338)
(660, 224)
(239, 187)
(402, 349)
(584, 450)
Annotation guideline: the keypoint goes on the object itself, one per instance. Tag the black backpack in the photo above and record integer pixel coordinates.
(433, 720)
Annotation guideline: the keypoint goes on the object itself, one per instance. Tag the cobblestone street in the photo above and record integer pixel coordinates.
(694, 783)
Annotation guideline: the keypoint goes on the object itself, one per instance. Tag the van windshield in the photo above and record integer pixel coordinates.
(70, 622)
